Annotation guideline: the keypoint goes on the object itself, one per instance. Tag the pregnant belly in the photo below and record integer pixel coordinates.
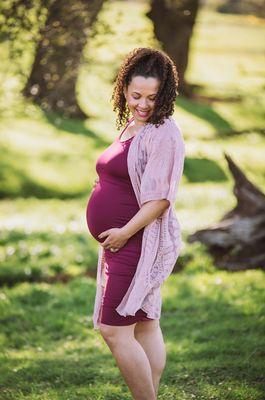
(108, 208)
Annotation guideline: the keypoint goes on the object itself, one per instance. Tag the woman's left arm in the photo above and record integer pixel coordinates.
(147, 214)
(160, 179)
(117, 237)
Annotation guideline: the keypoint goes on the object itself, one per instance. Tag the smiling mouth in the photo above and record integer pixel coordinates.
(142, 113)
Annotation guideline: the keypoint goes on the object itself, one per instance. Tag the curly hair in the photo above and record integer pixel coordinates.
(147, 62)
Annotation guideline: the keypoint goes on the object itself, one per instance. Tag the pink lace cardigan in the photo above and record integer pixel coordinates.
(155, 165)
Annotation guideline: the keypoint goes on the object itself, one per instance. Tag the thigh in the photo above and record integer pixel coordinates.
(146, 326)
(119, 272)
(123, 263)
(111, 331)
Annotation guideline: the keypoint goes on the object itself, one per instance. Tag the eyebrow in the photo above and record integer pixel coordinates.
(149, 94)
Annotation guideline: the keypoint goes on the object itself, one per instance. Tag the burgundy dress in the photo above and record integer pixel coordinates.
(111, 205)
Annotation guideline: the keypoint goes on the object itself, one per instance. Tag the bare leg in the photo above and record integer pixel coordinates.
(131, 360)
(149, 335)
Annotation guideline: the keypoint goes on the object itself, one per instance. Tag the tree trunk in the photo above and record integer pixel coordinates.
(173, 25)
(52, 81)
(237, 242)
(245, 7)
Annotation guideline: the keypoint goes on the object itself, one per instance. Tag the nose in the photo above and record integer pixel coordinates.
(143, 105)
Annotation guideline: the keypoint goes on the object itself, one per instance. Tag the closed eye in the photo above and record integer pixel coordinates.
(137, 98)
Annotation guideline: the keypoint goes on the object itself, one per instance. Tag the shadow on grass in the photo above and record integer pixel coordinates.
(203, 170)
(17, 178)
(206, 113)
(16, 182)
(74, 126)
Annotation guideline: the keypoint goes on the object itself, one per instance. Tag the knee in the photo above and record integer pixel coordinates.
(108, 333)
(161, 366)
(158, 368)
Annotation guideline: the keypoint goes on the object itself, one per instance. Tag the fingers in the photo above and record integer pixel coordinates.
(103, 234)
(95, 182)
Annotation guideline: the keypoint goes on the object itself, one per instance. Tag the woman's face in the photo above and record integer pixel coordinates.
(140, 96)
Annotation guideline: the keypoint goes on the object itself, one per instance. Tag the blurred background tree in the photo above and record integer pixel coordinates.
(244, 7)
(62, 33)
(59, 44)
(173, 26)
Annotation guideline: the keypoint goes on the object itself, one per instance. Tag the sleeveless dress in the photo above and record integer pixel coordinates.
(111, 205)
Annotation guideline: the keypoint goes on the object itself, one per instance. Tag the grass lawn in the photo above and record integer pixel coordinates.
(212, 320)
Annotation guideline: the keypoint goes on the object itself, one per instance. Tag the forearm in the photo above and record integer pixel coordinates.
(147, 213)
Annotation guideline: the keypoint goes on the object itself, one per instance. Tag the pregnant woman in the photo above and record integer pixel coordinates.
(131, 214)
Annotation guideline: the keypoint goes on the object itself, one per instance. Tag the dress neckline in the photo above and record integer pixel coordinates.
(123, 141)
(126, 126)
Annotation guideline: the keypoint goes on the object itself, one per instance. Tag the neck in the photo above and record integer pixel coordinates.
(137, 124)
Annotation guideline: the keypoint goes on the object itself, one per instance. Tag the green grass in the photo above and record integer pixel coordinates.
(212, 324)
(211, 319)
(45, 256)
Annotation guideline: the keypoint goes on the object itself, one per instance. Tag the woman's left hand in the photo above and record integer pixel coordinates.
(115, 238)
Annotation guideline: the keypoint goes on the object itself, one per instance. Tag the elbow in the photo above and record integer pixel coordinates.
(164, 206)
(167, 203)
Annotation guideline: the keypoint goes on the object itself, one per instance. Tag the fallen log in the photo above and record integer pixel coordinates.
(237, 241)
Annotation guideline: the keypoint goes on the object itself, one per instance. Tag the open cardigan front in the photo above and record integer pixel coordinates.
(155, 165)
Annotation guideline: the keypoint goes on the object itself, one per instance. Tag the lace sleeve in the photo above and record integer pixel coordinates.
(164, 166)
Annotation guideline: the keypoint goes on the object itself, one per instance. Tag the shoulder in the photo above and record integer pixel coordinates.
(169, 130)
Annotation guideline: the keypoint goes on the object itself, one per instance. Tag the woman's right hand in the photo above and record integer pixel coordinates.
(95, 183)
